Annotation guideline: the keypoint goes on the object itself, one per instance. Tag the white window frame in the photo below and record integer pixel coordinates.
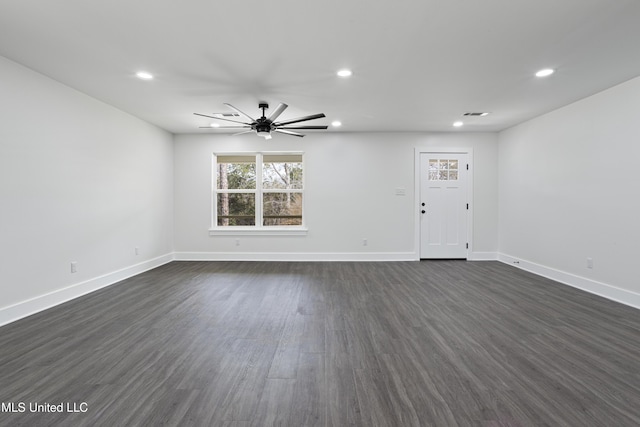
(259, 229)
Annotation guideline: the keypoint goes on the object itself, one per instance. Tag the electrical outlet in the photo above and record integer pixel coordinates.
(589, 262)
(364, 242)
(237, 242)
(74, 266)
(137, 250)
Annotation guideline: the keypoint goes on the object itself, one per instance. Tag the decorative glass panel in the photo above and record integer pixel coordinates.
(433, 169)
(443, 170)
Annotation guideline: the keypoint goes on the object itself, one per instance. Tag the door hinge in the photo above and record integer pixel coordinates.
(467, 166)
(467, 206)
(467, 246)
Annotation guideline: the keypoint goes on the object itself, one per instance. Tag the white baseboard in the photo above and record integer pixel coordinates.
(296, 256)
(316, 256)
(42, 302)
(483, 256)
(604, 290)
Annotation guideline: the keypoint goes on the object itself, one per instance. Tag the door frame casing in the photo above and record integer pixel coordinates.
(418, 151)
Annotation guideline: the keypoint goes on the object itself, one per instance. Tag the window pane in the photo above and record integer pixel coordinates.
(453, 175)
(282, 172)
(236, 209)
(236, 173)
(433, 169)
(282, 209)
(453, 164)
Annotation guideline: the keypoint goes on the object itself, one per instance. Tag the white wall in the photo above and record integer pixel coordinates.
(79, 181)
(82, 181)
(569, 190)
(350, 195)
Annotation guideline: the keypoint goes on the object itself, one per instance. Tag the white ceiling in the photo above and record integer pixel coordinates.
(418, 64)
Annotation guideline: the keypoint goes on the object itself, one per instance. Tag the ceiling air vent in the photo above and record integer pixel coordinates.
(475, 114)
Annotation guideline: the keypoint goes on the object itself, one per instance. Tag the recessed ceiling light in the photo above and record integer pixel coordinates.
(545, 72)
(144, 75)
(336, 123)
(344, 73)
(457, 124)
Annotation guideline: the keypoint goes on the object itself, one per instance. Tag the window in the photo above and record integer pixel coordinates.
(443, 170)
(258, 192)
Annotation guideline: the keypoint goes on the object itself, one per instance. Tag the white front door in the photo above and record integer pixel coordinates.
(443, 205)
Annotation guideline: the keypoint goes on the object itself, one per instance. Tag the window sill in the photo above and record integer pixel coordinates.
(258, 231)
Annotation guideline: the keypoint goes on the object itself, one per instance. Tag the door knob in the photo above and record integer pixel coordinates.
(423, 211)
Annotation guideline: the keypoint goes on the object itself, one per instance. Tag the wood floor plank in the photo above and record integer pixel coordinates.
(343, 408)
(285, 360)
(275, 405)
(382, 401)
(238, 344)
(309, 405)
(245, 395)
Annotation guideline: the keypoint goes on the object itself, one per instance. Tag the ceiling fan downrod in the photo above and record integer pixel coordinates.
(263, 125)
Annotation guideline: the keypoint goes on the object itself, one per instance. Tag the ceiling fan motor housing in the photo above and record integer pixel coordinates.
(263, 126)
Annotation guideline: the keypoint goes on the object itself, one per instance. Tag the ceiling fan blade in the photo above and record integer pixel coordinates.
(288, 132)
(301, 119)
(220, 118)
(279, 109)
(240, 112)
(240, 133)
(304, 127)
(225, 127)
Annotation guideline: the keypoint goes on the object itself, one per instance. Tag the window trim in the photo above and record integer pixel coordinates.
(259, 229)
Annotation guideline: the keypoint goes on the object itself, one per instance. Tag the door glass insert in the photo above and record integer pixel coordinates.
(443, 170)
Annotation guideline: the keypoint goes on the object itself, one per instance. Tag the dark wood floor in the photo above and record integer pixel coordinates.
(432, 343)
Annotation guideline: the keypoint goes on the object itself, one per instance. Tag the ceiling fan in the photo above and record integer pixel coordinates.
(263, 126)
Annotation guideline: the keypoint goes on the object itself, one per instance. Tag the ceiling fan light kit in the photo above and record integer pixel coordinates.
(264, 126)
